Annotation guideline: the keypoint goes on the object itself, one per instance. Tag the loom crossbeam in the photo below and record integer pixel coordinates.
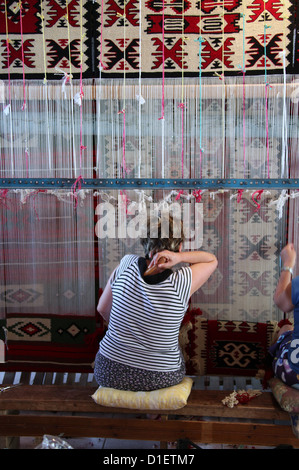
(151, 183)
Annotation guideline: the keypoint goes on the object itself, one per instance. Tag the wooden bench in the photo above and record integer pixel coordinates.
(69, 411)
(63, 406)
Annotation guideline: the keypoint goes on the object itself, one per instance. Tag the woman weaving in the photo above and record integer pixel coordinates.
(285, 351)
(140, 350)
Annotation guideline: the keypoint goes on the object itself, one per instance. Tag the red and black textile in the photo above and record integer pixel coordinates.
(224, 347)
(119, 38)
(235, 347)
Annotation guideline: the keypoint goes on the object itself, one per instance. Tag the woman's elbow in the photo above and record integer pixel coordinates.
(283, 303)
(215, 263)
(104, 315)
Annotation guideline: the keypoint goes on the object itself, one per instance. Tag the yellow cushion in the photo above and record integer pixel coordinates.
(170, 398)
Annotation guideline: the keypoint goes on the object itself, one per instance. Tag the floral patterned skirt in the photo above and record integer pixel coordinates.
(280, 364)
(122, 377)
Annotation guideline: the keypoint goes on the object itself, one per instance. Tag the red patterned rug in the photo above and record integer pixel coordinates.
(50, 343)
(124, 39)
(230, 32)
(236, 347)
(221, 347)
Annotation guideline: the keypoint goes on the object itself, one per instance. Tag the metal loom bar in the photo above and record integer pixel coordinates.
(150, 183)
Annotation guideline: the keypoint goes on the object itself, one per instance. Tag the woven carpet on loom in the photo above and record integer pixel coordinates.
(49, 285)
(127, 40)
(222, 347)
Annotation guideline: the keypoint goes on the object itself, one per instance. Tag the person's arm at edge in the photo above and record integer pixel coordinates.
(105, 301)
(283, 292)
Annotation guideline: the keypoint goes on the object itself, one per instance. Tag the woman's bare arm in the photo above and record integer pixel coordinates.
(283, 291)
(105, 301)
(203, 264)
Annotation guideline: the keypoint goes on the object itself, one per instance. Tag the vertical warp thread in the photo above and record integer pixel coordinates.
(8, 108)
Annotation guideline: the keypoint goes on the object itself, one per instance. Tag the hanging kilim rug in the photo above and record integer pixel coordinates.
(50, 343)
(146, 38)
(223, 347)
(178, 37)
(47, 38)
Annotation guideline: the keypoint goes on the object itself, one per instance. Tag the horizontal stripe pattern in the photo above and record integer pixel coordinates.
(145, 318)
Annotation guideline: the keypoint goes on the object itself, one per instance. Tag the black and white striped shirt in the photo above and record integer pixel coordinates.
(145, 318)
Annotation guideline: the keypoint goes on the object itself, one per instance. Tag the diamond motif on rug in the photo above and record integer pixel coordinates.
(22, 296)
(32, 329)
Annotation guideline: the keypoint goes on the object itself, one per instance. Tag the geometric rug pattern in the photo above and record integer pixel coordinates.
(220, 347)
(132, 38)
(41, 343)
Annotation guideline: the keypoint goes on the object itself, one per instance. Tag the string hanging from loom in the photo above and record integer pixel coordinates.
(256, 196)
(34, 194)
(243, 71)
(123, 111)
(8, 108)
(69, 41)
(222, 78)
(162, 118)
(45, 82)
(68, 79)
(200, 40)
(239, 195)
(197, 195)
(223, 92)
(267, 86)
(78, 183)
(20, 8)
(163, 64)
(284, 144)
(141, 100)
(181, 105)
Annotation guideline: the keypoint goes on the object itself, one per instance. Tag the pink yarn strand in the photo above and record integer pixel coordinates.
(179, 195)
(197, 194)
(239, 197)
(182, 106)
(81, 116)
(124, 145)
(76, 187)
(258, 197)
(267, 131)
(124, 199)
(244, 146)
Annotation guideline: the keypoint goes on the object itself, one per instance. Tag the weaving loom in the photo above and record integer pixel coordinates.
(95, 94)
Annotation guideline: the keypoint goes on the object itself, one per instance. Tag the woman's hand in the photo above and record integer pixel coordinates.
(288, 255)
(171, 258)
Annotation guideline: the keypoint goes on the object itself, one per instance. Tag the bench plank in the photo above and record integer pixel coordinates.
(166, 430)
(78, 399)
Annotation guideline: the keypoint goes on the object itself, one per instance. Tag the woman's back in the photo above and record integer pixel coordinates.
(146, 315)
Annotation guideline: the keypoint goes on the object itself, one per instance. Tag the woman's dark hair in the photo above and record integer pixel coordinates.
(163, 233)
